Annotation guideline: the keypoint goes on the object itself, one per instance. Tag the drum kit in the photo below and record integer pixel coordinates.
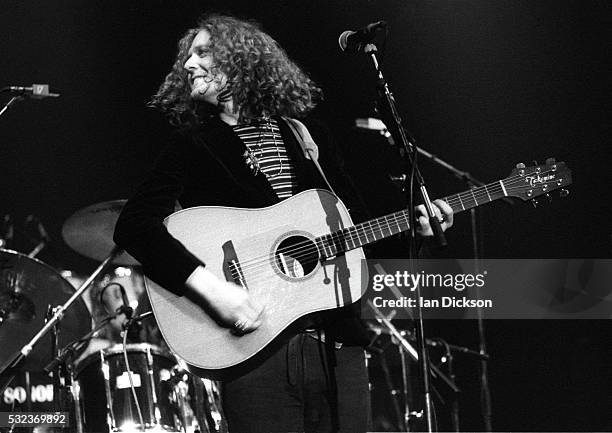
(129, 387)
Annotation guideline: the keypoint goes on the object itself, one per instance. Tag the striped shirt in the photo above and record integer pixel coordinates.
(266, 152)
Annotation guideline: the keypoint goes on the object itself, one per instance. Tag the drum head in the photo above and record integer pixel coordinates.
(117, 349)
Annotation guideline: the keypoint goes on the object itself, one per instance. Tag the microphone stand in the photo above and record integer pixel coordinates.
(471, 182)
(136, 319)
(74, 346)
(485, 391)
(410, 162)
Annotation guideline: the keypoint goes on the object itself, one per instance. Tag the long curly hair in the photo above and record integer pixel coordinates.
(261, 78)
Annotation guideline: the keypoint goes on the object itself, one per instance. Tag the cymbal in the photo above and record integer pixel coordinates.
(89, 231)
(27, 287)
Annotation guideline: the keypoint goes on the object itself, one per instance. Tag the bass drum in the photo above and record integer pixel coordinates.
(104, 397)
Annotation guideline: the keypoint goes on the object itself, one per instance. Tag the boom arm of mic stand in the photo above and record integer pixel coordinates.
(460, 174)
(10, 103)
(73, 346)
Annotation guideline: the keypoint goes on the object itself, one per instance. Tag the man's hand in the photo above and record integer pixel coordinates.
(228, 303)
(443, 212)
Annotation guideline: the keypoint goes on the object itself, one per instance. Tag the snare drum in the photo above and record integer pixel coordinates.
(104, 396)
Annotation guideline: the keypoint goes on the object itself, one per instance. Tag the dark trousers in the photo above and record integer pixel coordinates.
(306, 386)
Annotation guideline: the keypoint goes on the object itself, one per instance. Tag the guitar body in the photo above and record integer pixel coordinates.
(272, 252)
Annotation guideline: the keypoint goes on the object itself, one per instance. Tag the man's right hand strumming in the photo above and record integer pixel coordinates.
(228, 303)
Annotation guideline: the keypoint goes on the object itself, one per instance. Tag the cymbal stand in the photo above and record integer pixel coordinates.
(8, 371)
(56, 372)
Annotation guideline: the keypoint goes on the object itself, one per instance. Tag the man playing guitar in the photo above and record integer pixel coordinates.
(230, 92)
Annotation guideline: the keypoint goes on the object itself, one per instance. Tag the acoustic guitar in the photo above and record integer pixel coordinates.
(296, 257)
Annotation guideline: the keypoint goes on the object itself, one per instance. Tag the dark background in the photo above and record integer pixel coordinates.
(483, 84)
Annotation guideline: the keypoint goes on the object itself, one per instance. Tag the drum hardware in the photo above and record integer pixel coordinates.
(402, 339)
(67, 396)
(27, 287)
(43, 237)
(16, 361)
(101, 380)
(146, 379)
(74, 347)
(126, 328)
(65, 356)
(32, 231)
(199, 400)
(405, 348)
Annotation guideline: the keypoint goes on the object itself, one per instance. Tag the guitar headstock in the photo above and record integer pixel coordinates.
(528, 183)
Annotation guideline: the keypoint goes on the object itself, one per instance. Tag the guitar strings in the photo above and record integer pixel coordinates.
(379, 224)
(341, 235)
(344, 236)
(307, 255)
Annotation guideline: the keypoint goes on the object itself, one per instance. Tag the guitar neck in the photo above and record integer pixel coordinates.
(374, 230)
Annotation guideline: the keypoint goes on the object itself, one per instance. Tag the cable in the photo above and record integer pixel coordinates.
(132, 387)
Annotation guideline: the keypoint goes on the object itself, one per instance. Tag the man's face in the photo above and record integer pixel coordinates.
(204, 86)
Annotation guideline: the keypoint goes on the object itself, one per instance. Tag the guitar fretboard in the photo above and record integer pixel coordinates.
(365, 233)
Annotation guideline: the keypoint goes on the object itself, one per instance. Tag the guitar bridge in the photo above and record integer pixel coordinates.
(231, 265)
(237, 273)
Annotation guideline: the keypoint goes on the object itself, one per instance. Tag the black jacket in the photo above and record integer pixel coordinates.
(205, 167)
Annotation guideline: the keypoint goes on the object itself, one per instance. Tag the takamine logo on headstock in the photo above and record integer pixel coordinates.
(534, 180)
(530, 182)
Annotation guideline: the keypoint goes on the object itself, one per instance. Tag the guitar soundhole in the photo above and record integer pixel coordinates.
(296, 256)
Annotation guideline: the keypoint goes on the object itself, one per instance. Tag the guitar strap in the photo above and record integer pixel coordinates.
(310, 148)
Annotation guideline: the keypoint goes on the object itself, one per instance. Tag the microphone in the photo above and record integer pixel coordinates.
(36, 91)
(126, 309)
(351, 40)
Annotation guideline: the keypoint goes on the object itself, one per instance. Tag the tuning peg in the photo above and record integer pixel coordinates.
(535, 164)
(549, 197)
(521, 168)
(564, 192)
(534, 202)
(552, 163)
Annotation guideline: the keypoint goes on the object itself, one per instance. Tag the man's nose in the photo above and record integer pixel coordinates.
(190, 64)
